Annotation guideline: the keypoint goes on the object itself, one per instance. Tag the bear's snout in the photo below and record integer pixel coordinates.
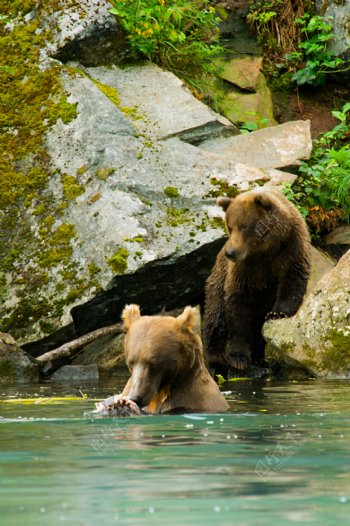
(232, 254)
(144, 385)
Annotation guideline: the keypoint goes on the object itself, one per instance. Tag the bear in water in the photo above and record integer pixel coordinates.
(165, 357)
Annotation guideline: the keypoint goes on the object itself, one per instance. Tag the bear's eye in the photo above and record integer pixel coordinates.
(153, 365)
(130, 365)
(244, 228)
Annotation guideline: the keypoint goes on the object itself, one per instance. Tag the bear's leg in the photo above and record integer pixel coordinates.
(214, 338)
(214, 319)
(245, 316)
(290, 293)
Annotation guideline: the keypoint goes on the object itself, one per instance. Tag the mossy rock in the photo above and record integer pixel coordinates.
(241, 106)
(15, 365)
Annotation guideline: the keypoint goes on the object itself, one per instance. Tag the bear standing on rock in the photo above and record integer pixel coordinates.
(261, 273)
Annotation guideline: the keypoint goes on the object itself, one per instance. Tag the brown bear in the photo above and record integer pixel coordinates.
(261, 273)
(166, 360)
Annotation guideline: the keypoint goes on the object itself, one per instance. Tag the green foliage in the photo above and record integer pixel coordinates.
(295, 40)
(273, 23)
(324, 181)
(251, 126)
(262, 15)
(315, 59)
(220, 379)
(178, 35)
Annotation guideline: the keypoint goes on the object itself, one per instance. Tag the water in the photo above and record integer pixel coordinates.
(281, 457)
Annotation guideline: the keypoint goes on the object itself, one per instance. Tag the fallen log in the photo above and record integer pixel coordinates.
(67, 349)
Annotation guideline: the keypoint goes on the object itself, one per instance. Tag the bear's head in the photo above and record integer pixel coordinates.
(257, 222)
(160, 351)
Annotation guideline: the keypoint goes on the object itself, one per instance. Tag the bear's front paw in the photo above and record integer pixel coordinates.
(239, 362)
(117, 406)
(273, 315)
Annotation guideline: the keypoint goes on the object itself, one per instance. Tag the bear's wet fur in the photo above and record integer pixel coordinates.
(166, 360)
(261, 273)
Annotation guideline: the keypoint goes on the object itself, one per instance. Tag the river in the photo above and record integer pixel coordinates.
(281, 457)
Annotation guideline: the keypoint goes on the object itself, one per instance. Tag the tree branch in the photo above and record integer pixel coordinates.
(67, 349)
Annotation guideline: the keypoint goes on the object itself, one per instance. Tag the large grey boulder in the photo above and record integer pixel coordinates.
(85, 30)
(76, 373)
(338, 241)
(318, 336)
(272, 147)
(126, 210)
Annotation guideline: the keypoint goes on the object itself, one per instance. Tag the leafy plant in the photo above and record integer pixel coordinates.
(179, 35)
(315, 59)
(251, 126)
(322, 191)
(262, 13)
(273, 23)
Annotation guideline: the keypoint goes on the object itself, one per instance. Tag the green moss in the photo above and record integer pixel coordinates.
(47, 327)
(32, 99)
(93, 269)
(119, 262)
(222, 188)
(59, 247)
(336, 358)
(83, 169)
(71, 188)
(136, 239)
(109, 91)
(177, 216)
(74, 294)
(39, 210)
(104, 173)
(171, 191)
(3, 286)
(131, 112)
(218, 222)
(67, 111)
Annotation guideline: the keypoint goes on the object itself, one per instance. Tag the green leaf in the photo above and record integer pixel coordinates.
(339, 115)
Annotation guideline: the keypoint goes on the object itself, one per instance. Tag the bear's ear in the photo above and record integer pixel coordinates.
(130, 314)
(224, 202)
(190, 319)
(262, 199)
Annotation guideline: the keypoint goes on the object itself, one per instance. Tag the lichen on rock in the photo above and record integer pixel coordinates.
(32, 100)
(318, 336)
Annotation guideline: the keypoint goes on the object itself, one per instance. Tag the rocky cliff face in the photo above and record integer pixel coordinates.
(111, 178)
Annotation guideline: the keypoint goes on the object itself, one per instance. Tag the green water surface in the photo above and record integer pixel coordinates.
(280, 457)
